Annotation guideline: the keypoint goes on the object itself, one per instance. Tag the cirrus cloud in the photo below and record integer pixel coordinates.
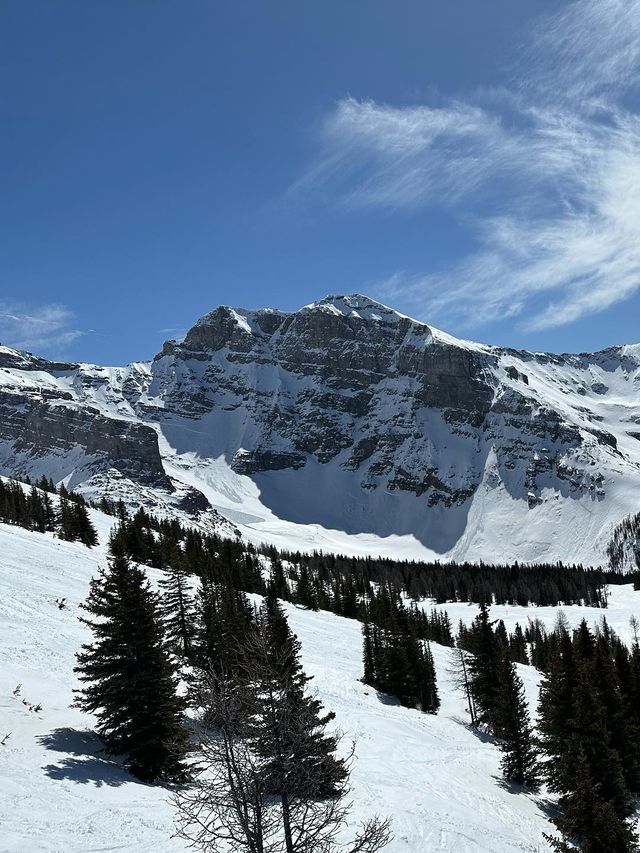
(39, 328)
(546, 172)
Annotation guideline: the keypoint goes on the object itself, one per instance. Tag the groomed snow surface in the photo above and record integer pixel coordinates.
(438, 781)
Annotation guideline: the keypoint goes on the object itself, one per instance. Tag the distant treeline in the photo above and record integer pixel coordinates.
(543, 584)
(322, 581)
(33, 509)
(337, 583)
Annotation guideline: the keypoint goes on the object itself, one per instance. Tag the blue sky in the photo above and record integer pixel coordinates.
(476, 165)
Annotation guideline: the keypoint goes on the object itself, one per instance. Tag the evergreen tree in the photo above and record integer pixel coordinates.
(290, 734)
(555, 710)
(66, 519)
(428, 696)
(38, 511)
(588, 822)
(484, 665)
(513, 728)
(83, 529)
(128, 681)
(618, 719)
(177, 606)
(584, 767)
(305, 594)
(395, 660)
(277, 581)
(368, 653)
(518, 646)
(223, 619)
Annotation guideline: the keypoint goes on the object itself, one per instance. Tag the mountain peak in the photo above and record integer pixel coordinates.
(355, 305)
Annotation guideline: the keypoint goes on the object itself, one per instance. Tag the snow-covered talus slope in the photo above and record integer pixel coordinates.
(347, 426)
(58, 794)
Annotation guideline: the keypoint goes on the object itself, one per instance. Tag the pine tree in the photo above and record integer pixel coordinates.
(483, 667)
(618, 720)
(555, 710)
(83, 528)
(291, 734)
(177, 606)
(428, 697)
(588, 823)
(584, 767)
(518, 646)
(513, 728)
(37, 511)
(245, 801)
(368, 653)
(128, 681)
(223, 619)
(49, 512)
(277, 581)
(399, 664)
(305, 594)
(65, 518)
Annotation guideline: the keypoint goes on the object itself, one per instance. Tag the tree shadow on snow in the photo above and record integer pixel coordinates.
(511, 787)
(482, 735)
(548, 807)
(85, 761)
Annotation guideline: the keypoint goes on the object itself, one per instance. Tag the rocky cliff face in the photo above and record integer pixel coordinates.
(344, 380)
(71, 422)
(349, 417)
(49, 427)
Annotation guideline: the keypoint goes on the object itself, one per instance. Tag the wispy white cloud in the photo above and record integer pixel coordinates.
(174, 333)
(37, 328)
(403, 157)
(588, 51)
(546, 172)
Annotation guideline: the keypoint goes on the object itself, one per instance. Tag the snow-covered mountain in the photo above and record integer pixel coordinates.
(345, 426)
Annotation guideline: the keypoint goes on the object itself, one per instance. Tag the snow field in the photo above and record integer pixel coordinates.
(438, 781)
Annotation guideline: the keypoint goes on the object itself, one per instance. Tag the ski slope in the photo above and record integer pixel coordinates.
(58, 794)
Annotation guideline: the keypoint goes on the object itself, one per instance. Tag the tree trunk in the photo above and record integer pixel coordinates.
(286, 821)
(467, 690)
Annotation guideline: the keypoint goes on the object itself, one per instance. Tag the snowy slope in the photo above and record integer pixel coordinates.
(58, 794)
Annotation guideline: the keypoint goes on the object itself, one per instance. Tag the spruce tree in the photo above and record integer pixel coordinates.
(618, 716)
(368, 653)
(583, 765)
(177, 606)
(37, 511)
(290, 734)
(428, 696)
(588, 823)
(518, 646)
(277, 580)
(127, 677)
(65, 518)
(223, 619)
(305, 594)
(513, 728)
(81, 525)
(484, 664)
(555, 710)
